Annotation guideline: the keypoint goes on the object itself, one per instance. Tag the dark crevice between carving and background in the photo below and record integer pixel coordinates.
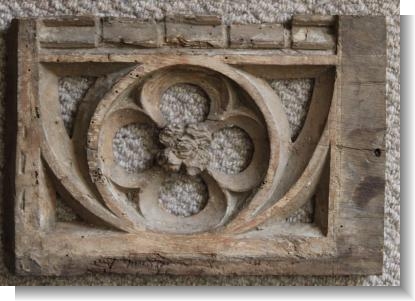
(10, 136)
(65, 213)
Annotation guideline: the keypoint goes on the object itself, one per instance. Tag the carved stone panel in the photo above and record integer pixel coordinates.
(218, 176)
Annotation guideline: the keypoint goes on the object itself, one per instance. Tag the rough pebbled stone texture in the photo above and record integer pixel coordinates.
(295, 95)
(231, 150)
(243, 11)
(135, 147)
(183, 195)
(71, 90)
(184, 103)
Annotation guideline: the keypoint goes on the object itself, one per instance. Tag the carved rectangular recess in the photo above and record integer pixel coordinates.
(217, 176)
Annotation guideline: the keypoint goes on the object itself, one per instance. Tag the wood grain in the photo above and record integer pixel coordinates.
(256, 36)
(338, 158)
(65, 33)
(133, 32)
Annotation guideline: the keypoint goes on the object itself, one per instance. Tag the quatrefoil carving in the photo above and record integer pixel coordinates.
(237, 200)
(239, 219)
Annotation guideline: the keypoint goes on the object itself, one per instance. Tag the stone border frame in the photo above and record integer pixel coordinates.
(351, 240)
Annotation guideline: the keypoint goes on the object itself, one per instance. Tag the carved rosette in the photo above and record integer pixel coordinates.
(186, 145)
(268, 185)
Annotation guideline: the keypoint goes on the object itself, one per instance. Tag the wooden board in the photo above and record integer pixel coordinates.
(338, 158)
(256, 36)
(132, 32)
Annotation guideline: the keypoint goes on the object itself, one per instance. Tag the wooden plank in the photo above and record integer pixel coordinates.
(363, 117)
(86, 68)
(284, 72)
(313, 37)
(64, 33)
(69, 21)
(133, 32)
(359, 222)
(314, 20)
(256, 36)
(196, 32)
(229, 58)
(359, 155)
(364, 69)
(33, 203)
(363, 75)
(194, 19)
(368, 34)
